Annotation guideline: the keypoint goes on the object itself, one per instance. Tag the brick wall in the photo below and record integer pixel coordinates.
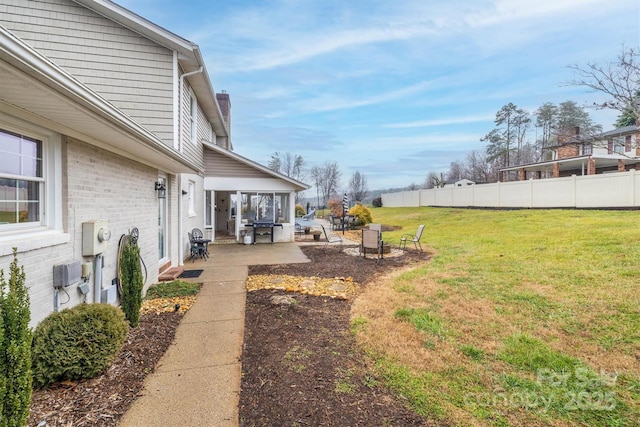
(97, 185)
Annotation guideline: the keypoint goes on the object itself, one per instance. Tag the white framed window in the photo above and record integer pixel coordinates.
(192, 198)
(22, 180)
(30, 185)
(272, 207)
(193, 117)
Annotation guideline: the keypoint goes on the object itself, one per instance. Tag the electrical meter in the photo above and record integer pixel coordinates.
(95, 235)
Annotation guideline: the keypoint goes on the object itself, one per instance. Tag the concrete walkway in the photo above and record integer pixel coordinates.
(197, 381)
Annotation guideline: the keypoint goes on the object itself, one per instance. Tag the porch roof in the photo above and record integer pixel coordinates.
(573, 163)
(248, 169)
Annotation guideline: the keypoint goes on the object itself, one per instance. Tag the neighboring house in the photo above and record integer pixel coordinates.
(464, 182)
(107, 119)
(617, 150)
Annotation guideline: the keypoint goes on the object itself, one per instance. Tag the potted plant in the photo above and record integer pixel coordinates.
(316, 235)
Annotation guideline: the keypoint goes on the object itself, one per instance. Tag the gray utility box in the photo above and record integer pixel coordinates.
(67, 274)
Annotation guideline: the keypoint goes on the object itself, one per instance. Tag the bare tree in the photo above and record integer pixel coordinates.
(619, 80)
(326, 179)
(358, 189)
(291, 165)
(430, 180)
(479, 168)
(456, 171)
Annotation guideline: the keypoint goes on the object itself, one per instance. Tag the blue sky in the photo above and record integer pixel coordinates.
(391, 88)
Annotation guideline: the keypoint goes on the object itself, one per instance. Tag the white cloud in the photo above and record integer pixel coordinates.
(332, 102)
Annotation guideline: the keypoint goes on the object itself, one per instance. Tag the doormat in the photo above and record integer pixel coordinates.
(187, 274)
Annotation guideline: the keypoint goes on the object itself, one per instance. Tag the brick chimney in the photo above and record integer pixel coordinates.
(225, 107)
(568, 142)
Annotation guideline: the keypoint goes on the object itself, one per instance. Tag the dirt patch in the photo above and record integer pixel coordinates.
(300, 363)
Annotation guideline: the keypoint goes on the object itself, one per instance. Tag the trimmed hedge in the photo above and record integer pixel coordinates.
(76, 343)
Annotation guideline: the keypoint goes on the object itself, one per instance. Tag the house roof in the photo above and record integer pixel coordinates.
(620, 131)
(34, 88)
(299, 186)
(189, 55)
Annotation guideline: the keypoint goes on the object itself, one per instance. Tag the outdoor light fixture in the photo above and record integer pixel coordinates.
(185, 192)
(161, 189)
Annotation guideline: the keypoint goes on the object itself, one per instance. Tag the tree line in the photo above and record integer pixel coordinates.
(326, 178)
(509, 143)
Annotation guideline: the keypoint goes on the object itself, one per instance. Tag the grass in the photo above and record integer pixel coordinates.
(536, 314)
(294, 358)
(175, 288)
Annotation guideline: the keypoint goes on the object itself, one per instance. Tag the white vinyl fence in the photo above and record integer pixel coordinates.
(611, 190)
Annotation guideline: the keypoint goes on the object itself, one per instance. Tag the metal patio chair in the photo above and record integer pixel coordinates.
(372, 240)
(415, 238)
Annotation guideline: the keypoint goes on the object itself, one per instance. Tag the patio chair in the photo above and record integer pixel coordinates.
(200, 242)
(371, 239)
(351, 221)
(310, 216)
(196, 249)
(415, 238)
(336, 222)
(331, 238)
(299, 230)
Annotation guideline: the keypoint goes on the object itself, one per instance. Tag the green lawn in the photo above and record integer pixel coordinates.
(527, 317)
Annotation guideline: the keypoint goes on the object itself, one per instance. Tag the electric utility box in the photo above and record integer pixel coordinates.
(95, 235)
(66, 274)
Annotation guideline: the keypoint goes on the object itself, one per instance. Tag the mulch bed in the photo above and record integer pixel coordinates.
(300, 363)
(103, 400)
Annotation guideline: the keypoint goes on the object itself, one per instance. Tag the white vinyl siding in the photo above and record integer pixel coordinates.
(134, 73)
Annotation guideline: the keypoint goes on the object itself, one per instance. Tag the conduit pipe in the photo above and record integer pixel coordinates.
(97, 279)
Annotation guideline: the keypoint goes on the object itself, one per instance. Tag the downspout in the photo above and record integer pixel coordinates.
(181, 103)
(180, 225)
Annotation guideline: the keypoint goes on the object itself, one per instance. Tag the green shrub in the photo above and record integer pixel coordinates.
(15, 347)
(377, 202)
(132, 284)
(300, 211)
(363, 213)
(76, 343)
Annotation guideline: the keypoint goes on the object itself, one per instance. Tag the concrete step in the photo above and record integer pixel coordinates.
(170, 274)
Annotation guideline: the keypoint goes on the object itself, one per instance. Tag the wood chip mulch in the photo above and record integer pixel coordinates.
(103, 400)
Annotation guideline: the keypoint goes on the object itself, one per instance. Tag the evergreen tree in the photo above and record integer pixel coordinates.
(15, 346)
(132, 284)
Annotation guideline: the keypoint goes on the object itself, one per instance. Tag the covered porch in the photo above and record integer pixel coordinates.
(240, 193)
(580, 165)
